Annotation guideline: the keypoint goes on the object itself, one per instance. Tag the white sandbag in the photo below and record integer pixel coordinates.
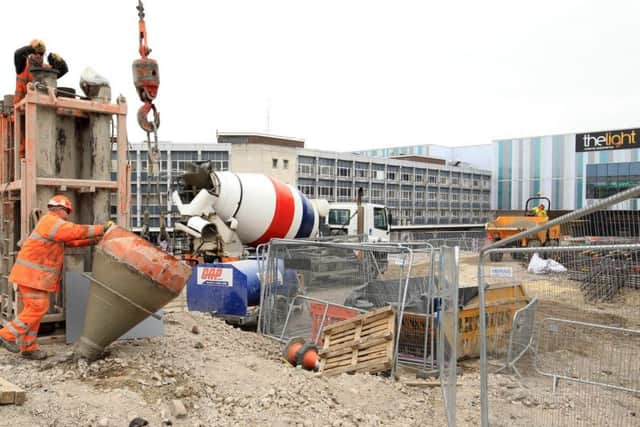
(538, 265)
(89, 76)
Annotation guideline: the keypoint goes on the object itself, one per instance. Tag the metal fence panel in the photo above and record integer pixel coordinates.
(303, 278)
(448, 329)
(583, 269)
(520, 340)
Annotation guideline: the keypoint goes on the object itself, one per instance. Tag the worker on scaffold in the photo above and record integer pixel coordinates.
(37, 272)
(25, 59)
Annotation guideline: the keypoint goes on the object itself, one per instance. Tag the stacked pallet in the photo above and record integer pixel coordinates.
(361, 344)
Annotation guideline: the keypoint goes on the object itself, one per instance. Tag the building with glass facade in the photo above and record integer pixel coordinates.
(573, 170)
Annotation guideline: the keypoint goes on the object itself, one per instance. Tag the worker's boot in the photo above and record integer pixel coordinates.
(35, 355)
(10, 345)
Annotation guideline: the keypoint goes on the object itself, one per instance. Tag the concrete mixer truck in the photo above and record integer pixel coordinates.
(227, 214)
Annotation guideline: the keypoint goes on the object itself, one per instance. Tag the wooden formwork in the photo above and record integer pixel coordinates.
(68, 145)
(361, 344)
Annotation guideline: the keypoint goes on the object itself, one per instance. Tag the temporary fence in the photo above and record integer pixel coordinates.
(448, 330)
(467, 241)
(308, 285)
(573, 311)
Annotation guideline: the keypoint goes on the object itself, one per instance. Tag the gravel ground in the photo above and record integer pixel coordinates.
(204, 373)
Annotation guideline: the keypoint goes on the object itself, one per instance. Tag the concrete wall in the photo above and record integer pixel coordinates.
(259, 158)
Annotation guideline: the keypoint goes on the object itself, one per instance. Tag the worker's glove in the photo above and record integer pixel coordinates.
(54, 58)
(38, 45)
(107, 225)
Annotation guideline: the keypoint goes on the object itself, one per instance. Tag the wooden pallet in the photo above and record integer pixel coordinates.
(10, 393)
(361, 344)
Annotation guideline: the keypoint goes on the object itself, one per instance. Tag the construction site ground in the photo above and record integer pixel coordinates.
(203, 372)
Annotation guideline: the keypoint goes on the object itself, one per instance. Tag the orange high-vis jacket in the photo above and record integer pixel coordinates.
(39, 262)
(23, 78)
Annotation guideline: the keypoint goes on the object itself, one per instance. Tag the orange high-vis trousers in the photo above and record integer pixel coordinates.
(24, 329)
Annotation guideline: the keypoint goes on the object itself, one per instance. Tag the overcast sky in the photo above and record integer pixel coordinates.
(350, 75)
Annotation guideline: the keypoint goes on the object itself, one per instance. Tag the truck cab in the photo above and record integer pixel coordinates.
(342, 219)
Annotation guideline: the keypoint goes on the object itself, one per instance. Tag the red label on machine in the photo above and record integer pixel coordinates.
(215, 276)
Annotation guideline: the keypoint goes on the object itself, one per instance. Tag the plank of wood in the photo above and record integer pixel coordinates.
(372, 325)
(372, 367)
(11, 393)
(347, 324)
(356, 349)
(378, 351)
(361, 344)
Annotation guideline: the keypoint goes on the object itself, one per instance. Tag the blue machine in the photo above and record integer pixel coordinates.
(226, 289)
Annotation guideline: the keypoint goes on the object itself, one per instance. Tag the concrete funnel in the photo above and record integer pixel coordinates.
(131, 280)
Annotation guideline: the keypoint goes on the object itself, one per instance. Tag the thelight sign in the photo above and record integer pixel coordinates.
(215, 276)
(608, 140)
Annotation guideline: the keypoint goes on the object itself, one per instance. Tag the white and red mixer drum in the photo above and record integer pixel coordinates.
(264, 207)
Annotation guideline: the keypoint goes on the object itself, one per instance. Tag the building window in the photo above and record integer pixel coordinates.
(419, 195)
(607, 179)
(344, 172)
(444, 196)
(444, 212)
(406, 177)
(285, 164)
(392, 195)
(406, 195)
(443, 180)
(378, 174)
(391, 176)
(326, 170)
(455, 180)
(274, 163)
(308, 190)
(325, 192)
(305, 169)
(433, 179)
(476, 197)
(455, 197)
(377, 193)
(465, 197)
(344, 194)
(433, 195)
(362, 173)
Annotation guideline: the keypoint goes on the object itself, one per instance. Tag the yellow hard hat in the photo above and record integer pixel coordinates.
(38, 46)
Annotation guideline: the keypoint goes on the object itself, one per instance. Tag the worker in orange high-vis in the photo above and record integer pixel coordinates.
(25, 59)
(37, 272)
